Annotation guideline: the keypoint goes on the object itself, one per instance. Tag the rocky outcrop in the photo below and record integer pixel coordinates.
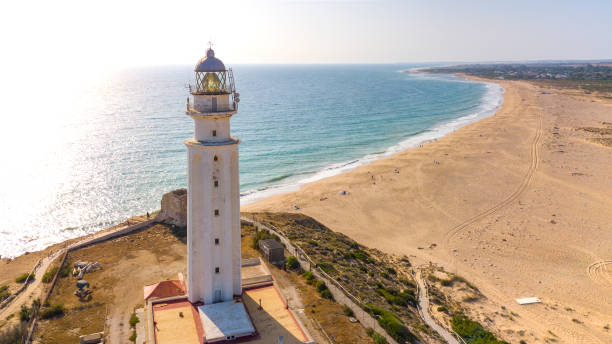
(174, 208)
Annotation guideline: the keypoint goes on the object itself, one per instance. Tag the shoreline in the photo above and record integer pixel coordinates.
(516, 203)
(491, 102)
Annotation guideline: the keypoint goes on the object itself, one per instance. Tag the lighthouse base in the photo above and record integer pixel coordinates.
(225, 321)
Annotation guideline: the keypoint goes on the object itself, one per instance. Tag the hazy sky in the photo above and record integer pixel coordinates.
(67, 34)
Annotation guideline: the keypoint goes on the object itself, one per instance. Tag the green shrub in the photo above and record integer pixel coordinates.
(363, 268)
(309, 277)
(362, 255)
(4, 293)
(392, 325)
(25, 313)
(326, 294)
(393, 297)
(313, 243)
(442, 309)
(378, 338)
(321, 286)
(133, 337)
(472, 332)
(327, 267)
(53, 311)
(22, 278)
(391, 271)
(292, 263)
(49, 274)
(348, 311)
(134, 320)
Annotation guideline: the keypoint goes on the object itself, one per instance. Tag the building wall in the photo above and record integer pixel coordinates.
(204, 129)
(203, 226)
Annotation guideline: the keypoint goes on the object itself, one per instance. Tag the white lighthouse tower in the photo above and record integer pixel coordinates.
(213, 204)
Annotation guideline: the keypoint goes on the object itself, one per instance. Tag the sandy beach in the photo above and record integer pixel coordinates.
(518, 203)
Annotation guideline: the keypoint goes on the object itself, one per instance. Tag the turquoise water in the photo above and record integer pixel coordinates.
(113, 146)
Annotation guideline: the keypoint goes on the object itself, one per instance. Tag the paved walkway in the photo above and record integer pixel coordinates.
(424, 311)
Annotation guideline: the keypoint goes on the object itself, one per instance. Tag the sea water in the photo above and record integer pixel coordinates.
(100, 151)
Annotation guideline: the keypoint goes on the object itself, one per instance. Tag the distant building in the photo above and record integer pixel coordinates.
(273, 251)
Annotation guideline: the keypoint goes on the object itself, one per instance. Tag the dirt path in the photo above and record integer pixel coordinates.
(33, 290)
(424, 311)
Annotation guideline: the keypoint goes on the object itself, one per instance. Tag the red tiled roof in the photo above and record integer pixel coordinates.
(164, 289)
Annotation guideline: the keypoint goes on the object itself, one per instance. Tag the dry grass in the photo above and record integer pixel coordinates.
(128, 263)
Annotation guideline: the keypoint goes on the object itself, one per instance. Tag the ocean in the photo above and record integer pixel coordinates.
(100, 151)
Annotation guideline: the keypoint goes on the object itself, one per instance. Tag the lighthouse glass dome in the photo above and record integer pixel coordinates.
(211, 77)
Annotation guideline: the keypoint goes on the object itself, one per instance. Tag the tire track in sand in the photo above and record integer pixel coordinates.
(535, 161)
(600, 272)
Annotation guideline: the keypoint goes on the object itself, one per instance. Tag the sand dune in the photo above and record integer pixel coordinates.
(519, 203)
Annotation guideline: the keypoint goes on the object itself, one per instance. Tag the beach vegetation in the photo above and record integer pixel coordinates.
(22, 278)
(55, 310)
(404, 298)
(49, 274)
(309, 276)
(4, 292)
(25, 313)
(376, 337)
(327, 267)
(134, 320)
(394, 327)
(293, 263)
(472, 332)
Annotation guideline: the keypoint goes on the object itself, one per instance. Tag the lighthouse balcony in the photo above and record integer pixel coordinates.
(212, 109)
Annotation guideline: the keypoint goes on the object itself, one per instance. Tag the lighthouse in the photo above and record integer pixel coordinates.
(213, 203)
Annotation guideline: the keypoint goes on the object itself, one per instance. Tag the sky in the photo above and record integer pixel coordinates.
(104, 34)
